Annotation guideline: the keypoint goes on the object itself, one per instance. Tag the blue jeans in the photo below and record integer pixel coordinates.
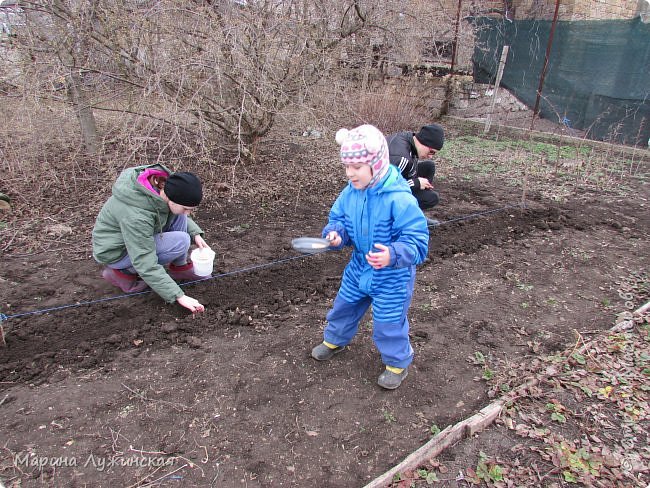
(171, 245)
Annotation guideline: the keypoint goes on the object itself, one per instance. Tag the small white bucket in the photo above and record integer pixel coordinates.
(203, 260)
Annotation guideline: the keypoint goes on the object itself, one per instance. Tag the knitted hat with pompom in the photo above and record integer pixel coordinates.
(365, 145)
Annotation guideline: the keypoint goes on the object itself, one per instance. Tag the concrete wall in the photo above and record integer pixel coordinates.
(576, 9)
(424, 26)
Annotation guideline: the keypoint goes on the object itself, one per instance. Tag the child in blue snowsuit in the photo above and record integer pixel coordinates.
(378, 216)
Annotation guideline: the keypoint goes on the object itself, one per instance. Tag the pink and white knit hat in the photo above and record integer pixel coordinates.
(365, 145)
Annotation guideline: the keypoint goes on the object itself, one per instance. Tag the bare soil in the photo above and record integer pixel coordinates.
(99, 389)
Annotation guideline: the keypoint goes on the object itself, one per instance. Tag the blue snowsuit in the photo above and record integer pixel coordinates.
(388, 214)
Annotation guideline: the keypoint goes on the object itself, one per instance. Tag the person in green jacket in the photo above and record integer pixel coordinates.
(144, 226)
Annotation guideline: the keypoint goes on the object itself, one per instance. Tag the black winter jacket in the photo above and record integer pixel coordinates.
(404, 155)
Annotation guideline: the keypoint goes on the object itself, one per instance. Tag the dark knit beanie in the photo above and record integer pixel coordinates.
(184, 189)
(431, 136)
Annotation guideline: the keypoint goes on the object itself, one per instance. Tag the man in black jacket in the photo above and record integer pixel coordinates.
(411, 153)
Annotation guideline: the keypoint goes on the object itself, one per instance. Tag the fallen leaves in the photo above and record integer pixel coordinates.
(586, 420)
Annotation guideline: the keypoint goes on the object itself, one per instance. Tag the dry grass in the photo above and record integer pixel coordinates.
(390, 112)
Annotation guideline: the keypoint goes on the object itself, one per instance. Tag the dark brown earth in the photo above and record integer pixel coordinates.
(130, 391)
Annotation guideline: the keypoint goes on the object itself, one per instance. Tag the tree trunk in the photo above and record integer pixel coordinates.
(84, 112)
(54, 32)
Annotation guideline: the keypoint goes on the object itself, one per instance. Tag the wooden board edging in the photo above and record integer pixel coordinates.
(470, 426)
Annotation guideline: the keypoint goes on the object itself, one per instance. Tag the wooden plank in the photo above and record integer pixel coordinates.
(497, 83)
(466, 428)
(442, 441)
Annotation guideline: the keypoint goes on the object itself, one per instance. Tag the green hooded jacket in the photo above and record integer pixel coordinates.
(127, 223)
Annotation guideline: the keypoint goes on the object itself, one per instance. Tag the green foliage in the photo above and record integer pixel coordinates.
(429, 476)
(556, 410)
(388, 416)
(577, 462)
(642, 359)
(490, 149)
(555, 358)
(579, 358)
(488, 470)
(569, 477)
(479, 358)
(561, 162)
(558, 417)
(488, 374)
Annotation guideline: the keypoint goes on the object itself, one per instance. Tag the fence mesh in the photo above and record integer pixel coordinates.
(597, 78)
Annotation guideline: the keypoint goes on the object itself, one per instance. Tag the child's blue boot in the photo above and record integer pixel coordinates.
(325, 351)
(392, 377)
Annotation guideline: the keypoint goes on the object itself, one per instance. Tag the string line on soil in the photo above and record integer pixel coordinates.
(4, 317)
(486, 212)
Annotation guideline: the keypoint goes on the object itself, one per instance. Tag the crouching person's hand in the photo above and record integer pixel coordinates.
(190, 303)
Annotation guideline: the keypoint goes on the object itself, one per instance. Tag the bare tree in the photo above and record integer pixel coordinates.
(226, 67)
(48, 33)
(205, 70)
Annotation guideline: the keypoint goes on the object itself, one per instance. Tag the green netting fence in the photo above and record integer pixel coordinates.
(597, 78)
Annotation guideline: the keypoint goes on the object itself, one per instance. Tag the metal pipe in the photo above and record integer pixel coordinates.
(546, 58)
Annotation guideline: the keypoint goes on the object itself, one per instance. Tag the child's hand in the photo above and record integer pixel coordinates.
(379, 259)
(334, 238)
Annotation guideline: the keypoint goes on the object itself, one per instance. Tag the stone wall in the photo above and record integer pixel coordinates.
(452, 95)
(476, 100)
(428, 93)
(456, 95)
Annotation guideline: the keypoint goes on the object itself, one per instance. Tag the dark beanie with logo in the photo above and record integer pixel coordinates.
(431, 136)
(184, 189)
